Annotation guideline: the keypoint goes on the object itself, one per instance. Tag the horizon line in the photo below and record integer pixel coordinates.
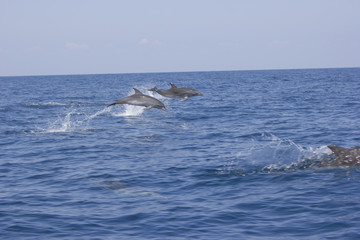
(195, 71)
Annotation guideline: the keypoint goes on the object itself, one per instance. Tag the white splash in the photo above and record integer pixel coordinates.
(316, 153)
(130, 111)
(267, 153)
(72, 122)
(270, 149)
(62, 125)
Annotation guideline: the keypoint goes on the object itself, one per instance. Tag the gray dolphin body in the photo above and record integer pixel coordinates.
(343, 157)
(140, 99)
(175, 92)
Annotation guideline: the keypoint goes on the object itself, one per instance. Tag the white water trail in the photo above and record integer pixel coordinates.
(97, 114)
(72, 123)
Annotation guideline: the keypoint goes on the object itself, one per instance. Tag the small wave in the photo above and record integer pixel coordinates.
(57, 104)
(46, 104)
(22, 132)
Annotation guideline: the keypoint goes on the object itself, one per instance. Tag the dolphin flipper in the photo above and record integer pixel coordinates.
(184, 99)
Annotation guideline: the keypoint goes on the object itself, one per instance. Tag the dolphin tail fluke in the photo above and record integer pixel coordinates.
(111, 104)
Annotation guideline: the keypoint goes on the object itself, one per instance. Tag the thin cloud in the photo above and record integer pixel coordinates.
(146, 41)
(277, 43)
(76, 46)
(34, 49)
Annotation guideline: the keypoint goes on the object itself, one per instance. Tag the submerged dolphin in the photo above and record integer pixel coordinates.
(112, 184)
(140, 99)
(175, 92)
(124, 188)
(343, 157)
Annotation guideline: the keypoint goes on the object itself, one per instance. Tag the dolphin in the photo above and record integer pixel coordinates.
(175, 92)
(113, 184)
(140, 99)
(342, 157)
(124, 188)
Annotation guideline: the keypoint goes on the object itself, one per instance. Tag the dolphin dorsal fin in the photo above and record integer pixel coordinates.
(337, 149)
(173, 85)
(137, 91)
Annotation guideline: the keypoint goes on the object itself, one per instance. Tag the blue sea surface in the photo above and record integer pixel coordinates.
(236, 163)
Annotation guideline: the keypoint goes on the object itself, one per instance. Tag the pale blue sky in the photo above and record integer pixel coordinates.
(43, 37)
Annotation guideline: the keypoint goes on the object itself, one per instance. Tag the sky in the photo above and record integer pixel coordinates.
(42, 37)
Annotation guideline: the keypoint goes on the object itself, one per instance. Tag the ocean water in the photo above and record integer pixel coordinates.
(232, 164)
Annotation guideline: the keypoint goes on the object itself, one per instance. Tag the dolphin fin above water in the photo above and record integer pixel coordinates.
(343, 157)
(348, 156)
(173, 85)
(137, 91)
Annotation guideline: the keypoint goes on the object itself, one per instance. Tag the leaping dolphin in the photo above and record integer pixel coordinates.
(343, 157)
(140, 99)
(175, 92)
